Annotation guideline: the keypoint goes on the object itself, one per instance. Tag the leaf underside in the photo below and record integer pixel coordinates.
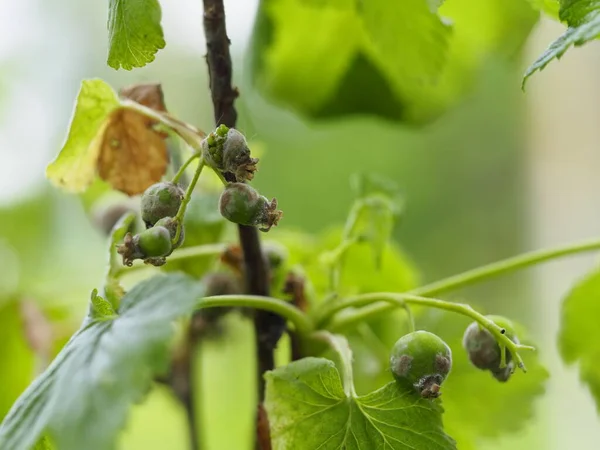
(583, 20)
(134, 33)
(82, 399)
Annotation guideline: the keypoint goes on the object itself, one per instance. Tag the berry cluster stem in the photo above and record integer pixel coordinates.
(183, 167)
(186, 199)
(327, 318)
(302, 323)
(473, 276)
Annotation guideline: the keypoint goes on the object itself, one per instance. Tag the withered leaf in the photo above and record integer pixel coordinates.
(133, 156)
(147, 94)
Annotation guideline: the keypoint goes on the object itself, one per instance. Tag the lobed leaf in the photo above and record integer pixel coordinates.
(350, 43)
(405, 61)
(579, 337)
(74, 168)
(583, 20)
(308, 408)
(82, 399)
(134, 33)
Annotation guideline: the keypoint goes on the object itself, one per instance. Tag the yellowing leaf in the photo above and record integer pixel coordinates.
(74, 168)
(133, 156)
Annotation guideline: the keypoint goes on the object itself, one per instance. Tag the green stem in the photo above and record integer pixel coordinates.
(459, 308)
(300, 320)
(186, 199)
(220, 175)
(183, 167)
(475, 275)
(191, 135)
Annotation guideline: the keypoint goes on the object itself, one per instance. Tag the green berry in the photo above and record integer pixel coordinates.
(226, 150)
(161, 200)
(171, 224)
(236, 156)
(422, 360)
(154, 242)
(242, 204)
(484, 351)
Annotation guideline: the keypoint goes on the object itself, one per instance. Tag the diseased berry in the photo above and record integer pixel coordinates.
(484, 351)
(161, 200)
(422, 360)
(171, 224)
(154, 242)
(242, 204)
(151, 245)
(226, 149)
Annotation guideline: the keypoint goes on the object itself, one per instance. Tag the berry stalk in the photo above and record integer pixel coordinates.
(476, 275)
(401, 299)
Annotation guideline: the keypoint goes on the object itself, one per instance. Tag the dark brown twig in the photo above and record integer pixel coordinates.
(219, 63)
(268, 326)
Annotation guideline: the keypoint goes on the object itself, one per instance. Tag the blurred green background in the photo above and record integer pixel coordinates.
(466, 177)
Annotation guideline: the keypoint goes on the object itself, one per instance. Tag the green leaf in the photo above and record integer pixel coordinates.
(583, 19)
(372, 221)
(367, 184)
(74, 168)
(579, 337)
(399, 60)
(44, 444)
(308, 408)
(353, 38)
(82, 399)
(134, 33)
(549, 7)
(506, 407)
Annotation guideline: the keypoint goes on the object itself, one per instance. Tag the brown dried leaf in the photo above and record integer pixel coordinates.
(133, 156)
(148, 94)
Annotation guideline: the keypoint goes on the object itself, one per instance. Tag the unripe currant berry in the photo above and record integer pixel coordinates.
(484, 351)
(226, 149)
(242, 204)
(161, 200)
(421, 360)
(154, 242)
(171, 224)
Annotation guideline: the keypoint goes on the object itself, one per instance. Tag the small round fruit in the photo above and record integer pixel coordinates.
(484, 351)
(161, 200)
(242, 204)
(422, 360)
(154, 242)
(171, 224)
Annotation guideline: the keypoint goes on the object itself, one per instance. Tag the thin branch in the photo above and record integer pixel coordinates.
(268, 326)
(219, 63)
